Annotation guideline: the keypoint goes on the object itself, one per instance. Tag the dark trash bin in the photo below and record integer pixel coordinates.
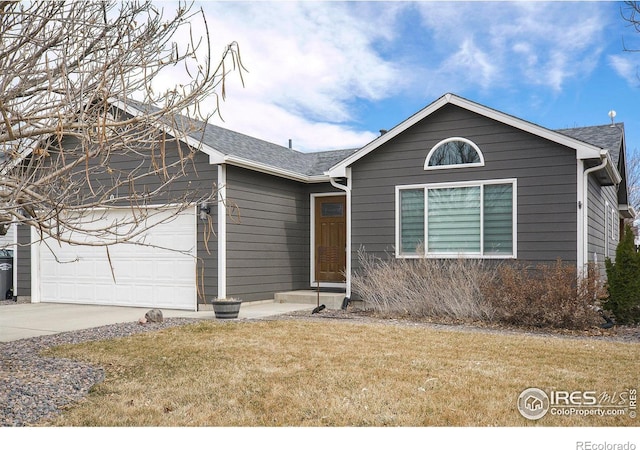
(6, 274)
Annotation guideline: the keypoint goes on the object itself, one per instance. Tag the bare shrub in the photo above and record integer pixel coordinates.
(547, 295)
(424, 287)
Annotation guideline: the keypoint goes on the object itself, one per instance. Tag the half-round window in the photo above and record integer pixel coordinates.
(452, 153)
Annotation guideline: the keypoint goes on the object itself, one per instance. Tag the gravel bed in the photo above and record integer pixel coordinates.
(33, 388)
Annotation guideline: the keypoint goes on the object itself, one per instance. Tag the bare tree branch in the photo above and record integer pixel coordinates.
(85, 124)
(631, 13)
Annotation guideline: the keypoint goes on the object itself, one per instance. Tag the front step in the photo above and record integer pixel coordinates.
(331, 300)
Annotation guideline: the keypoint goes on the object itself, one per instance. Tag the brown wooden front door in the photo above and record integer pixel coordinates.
(330, 239)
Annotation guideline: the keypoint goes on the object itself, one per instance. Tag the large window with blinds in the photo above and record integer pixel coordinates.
(471, 219)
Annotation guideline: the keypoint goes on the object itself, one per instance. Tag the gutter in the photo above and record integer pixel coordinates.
(627, 211)
(347, 189)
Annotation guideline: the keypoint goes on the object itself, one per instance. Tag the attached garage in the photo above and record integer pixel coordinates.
(159, 271)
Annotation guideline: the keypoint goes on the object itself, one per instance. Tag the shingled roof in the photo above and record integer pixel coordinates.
(240, 145)
(607, 137)
(268, 154)
(315, 164)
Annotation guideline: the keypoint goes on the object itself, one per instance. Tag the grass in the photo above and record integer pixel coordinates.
(303, 373)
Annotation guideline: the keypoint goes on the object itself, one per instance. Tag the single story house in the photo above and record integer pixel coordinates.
(456, 179)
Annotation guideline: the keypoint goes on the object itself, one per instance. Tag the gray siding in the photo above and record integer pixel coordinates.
(545, 173)
(599, 214)
(268, 245)
(24, 261)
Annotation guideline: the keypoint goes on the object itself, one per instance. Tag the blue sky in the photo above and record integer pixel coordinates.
(331, 74)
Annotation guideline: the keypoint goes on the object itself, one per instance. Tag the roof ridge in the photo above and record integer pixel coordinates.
(604, 125)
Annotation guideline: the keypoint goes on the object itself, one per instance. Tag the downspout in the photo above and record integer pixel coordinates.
(347, 189)
(585, 210)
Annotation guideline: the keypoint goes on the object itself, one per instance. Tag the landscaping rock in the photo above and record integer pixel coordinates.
(154, 315)
(36, 388)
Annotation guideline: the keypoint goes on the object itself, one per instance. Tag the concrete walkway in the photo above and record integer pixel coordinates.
(37, 319)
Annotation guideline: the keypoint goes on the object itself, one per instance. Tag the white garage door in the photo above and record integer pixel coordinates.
(143, 275)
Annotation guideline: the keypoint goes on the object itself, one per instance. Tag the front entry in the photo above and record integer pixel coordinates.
(330, 239)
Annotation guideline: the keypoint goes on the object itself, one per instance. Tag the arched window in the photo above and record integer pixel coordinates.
(452, 153)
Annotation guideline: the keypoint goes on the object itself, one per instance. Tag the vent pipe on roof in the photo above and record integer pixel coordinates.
(383, 131)
(612, 115)
(290, 143)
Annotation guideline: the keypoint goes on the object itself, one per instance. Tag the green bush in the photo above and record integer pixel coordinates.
(623, 281)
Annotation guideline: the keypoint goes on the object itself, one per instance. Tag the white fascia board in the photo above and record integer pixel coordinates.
(339, 170)
(583, 150)
(126, 107)
(271, 170)
(627, 211)
(204, 148)
(216, 159)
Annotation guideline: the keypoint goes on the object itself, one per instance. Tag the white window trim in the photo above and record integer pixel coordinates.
(453, 166)
(614, 225)
(607, 227)
(480, 255)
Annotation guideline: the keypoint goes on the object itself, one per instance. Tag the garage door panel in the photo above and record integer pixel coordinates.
(105, 294)
(84, 291)
(145, 276)
(87, 269)
(169, 272)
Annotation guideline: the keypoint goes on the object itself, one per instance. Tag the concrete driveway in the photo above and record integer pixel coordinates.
(27, 320)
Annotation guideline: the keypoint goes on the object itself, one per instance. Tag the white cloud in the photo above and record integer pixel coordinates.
(469, 59)
(536, 43)
(275, 124)
(312, 63)
(307, 64)
(626, 67)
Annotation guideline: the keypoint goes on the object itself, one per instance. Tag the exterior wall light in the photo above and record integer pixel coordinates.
(205, 210)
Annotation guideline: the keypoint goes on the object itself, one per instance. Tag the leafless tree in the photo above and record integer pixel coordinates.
(73, 77)
(633, 185)
(631, 13)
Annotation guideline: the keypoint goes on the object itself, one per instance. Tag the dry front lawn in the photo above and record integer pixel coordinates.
(332, 373)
